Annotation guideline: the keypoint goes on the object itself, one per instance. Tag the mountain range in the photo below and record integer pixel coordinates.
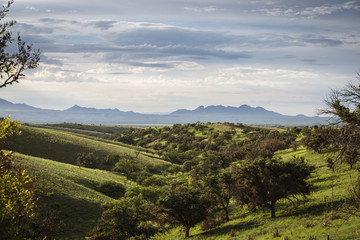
(244, 114)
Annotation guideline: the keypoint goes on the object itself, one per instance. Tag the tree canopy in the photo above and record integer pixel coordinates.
(185, 205)
(264, 182)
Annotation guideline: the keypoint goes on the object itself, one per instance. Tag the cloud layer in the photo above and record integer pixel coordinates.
(163, 55)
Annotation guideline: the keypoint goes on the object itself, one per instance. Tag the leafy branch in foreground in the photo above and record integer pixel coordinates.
(12, 65)
(17, 201)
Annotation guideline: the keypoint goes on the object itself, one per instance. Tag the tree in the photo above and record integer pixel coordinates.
(17, 197)
(13, 65)
(221, 187)
(264, 182)
(128, 166)
(125, 218)
(344, 106)
(185, 205)
(217, 181)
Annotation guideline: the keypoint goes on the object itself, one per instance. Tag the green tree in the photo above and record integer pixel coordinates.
(216, 179)
(128, 166)
(186, 205)
(125, 218)
(344, 106)
(264, 182)
(13, 64)
(17, 197)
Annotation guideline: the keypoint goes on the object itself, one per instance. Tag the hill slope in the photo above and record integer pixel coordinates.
(71, 191)
(65, 147)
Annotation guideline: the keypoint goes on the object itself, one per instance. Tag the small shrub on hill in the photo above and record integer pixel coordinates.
(89, 160)
(112, 189)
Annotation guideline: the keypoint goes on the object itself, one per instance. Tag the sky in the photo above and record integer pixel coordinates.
(163, 55)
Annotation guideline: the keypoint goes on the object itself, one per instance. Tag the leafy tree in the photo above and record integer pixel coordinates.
(344, 106)
(17, 197)
(217, 181)
(125, 218)
(272, 145)
(264, 182)
(14, 64)
(149, 193)
(128, 166)
(184, 204)
(321, 139)
(221, 189)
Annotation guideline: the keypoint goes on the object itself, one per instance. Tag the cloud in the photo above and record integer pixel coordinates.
(103, 24)
(311, 12)
(323, 41)
(201, 10)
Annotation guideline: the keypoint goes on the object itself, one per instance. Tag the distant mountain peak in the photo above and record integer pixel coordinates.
(213, 113)
(220, 109)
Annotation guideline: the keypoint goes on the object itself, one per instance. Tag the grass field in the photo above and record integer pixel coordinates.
(65, 146)
(71, 191)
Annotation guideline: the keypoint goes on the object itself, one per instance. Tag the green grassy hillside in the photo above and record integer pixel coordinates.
(65, 146)
(70, 190)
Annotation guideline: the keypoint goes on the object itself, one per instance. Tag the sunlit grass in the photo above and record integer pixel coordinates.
(70, 190)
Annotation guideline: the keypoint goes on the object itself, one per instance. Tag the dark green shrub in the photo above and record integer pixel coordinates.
(112, 189)
(89, 160)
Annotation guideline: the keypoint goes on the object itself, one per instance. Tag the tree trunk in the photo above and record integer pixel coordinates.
(187, 232)
(226, 214)
(272, 208)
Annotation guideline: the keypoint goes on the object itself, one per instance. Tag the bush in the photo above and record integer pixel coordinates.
(125, 218)
(89, 160)
(112, 189)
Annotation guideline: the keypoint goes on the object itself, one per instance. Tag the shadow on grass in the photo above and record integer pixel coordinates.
(313, 210)
(227, 228)
(79, 216)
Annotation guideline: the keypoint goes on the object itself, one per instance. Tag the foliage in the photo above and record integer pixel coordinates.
(264, 182)
(128, 166)
(344, 104)
(89, 160)
(112, 189)
(149, 193)
(214, 176)
(14, 64)
(321, 139)
(125, 218)
(186, 205)
(17, 198)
